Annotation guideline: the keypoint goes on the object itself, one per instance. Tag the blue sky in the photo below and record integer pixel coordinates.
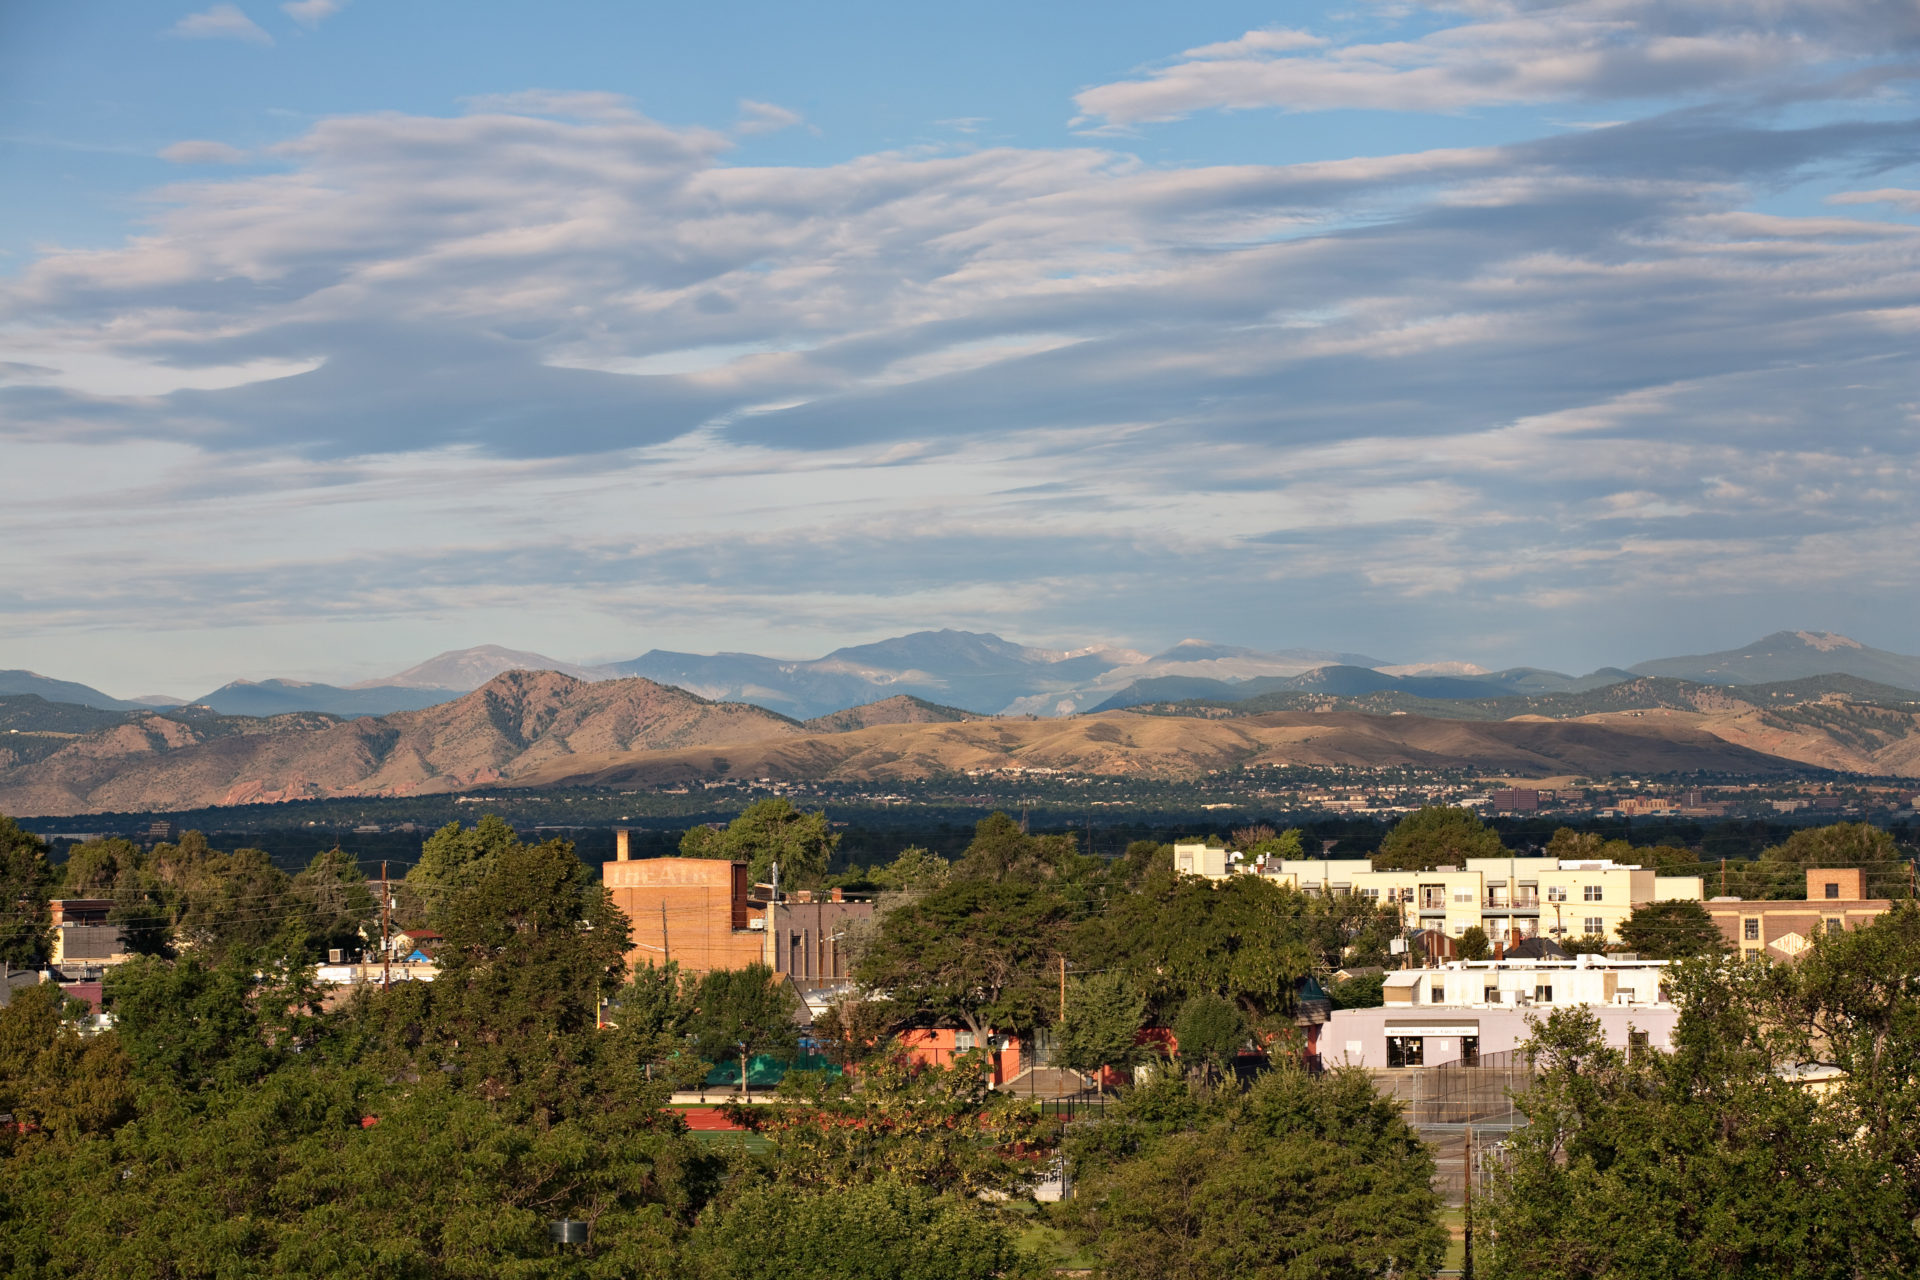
(336, 334)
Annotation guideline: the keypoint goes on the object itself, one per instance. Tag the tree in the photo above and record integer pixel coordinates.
(768, 832)
(1302, 1177)
(1675, 930)
(944, 1128)
(1362, 991)
(333, 902)
(26, 882)
(884, 1230)
(189, 1024)
(1000, 848)
(1783, 867)
(1473, 944)
(1724, 1163)
(1210, 1033)
(914, 871)
(1436, 836)
(1262, 839)
(978, 952)
(1105, 1012)
(1246, 939)
(743, 1013)
(454, 859)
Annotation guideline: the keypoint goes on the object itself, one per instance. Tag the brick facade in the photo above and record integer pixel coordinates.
(696, 911)
(1836, 899)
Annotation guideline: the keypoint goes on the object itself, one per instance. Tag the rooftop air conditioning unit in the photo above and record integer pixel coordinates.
(758, 922)
(334, 955)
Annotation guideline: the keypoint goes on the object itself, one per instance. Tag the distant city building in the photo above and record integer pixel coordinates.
(1836, 900)
(1510, 898)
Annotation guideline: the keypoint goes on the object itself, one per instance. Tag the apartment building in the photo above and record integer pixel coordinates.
(1510, 898)
(1464, 1010)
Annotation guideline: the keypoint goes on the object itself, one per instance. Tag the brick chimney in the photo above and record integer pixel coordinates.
(622, 850)
(1844, 884)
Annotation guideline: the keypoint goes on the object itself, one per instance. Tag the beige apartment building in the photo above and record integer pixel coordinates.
(1510, 898)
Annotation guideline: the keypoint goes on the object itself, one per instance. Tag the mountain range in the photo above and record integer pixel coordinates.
(983, 674)
(544, 729)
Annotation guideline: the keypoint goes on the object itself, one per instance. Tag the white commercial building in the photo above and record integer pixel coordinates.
(1465, 1010)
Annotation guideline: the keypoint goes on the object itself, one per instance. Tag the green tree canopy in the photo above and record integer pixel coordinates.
(1210, 1032)
(742, 1013)
(1473, 944)
(1000, 848)
(1246, 939)
(977, 952)
(1303, 1177)
(884, 1230)
(26, 882)
(1675, 930)
(454, 859)
(1105, 1013)
(1437, 836)
(1724, 1161)
(333, 903)
(766, 832)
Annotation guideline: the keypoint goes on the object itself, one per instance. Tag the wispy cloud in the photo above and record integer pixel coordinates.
(1898, 197)
(201, 151)
(1516, 51)
(311, 13)
(221, 22)
(765, 117)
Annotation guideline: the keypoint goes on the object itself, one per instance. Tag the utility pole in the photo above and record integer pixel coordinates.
(1063, 990)
(1723, 877)
(386, 947)
(666, 955)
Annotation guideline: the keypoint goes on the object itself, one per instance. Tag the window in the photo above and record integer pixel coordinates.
(1463, 895)
(1405, 1051)
(1750, 929)
(1373, 894)
(1833, 890)
(1596, 926)
(1637, 1043)
(1591, 892)
(962, 1041)
(1543, 994)
(1834, 924)
(1437, 994)
(1556, 893)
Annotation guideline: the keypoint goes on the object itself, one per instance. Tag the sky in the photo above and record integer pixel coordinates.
(337, 333)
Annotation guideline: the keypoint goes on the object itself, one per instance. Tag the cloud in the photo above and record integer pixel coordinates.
(1898, 197)
(552, 357)
(1499, 52)
(311, 13)
(199, 151)
(765, 117)
(221, 22)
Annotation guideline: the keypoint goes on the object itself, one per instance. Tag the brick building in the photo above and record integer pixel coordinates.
(697, 911)
(1836, 900)
(704, 913)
